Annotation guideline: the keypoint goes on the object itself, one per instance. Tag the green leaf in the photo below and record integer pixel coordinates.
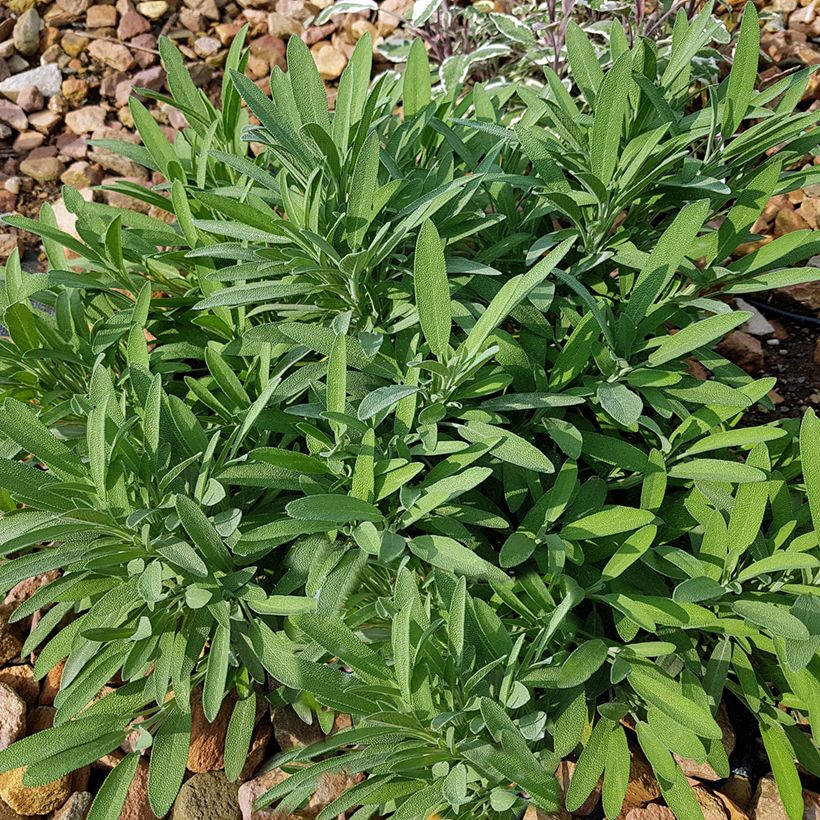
(781, 758)
(383, 398)
(629, 551)
(432, 289)
(169, 757)
(24, 428)
(608, 119)
(661, 691)
(239, 736)
(447, 554)
(744, 72)
(339, 509)
(308, 89)
(582, 664)
(713, 469)
(416, 83)
(203, 533)
(586, 70)
(696, 335)
(111, 797)
(590, 765)
(810, 461)
(616, 773)
(511, 447)
(776, 619)
(620, 402)
(216, 673)
(611, 521)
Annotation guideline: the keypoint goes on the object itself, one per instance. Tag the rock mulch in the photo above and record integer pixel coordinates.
(67, 69)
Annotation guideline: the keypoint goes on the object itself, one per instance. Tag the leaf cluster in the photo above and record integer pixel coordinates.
(388, 410)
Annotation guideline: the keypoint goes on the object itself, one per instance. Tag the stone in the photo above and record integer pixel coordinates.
(40, 718)
(11, 643)
(136, 806)
(75, 90)
(75, 808)
(51, 684)
(316, 34)
(115, 55)
(291, 732)
(260, 741)
(787, 221)
(132, 24)
(74, 8)
(329, 60)
(226, 32)
(206, 46)
(114, 162)
(26, 34)
(41, 168)
(101, 17)
(744, 350)
(9, 243)
(192, 20)
(13, 115)
(564, 775)
(252, 790)
(270, 49)
(81, 174)
(73, 44)
(30, 99)
(809, 210)
(46, 78)
(358, 28)
(653, 811)
(12, 716)
(732, 810)
(757, 324)
(72, 146)
(711, 806)
(153, 9)
(280, 25)
(643, 786)
(85, 120)
(21, 679)
(38, 800)
(534, 813)
(145, 46)
(806, 294)
(28, 141)
(206, 796)
(391, 13)
(44, 121)
(330, 786)
(704, 771)
(767, 805)
(205, 753)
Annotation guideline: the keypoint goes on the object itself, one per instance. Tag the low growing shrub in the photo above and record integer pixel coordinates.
(396, 412)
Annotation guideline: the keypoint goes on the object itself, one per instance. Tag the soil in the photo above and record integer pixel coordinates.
(791, 359)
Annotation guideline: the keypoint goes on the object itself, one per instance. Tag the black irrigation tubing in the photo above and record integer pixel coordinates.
(798, 317)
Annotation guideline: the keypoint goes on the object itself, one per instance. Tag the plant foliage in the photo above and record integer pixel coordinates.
(391, 406)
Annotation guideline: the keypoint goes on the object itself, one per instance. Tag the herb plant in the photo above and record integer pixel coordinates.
(513, 41)
(391, 414)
